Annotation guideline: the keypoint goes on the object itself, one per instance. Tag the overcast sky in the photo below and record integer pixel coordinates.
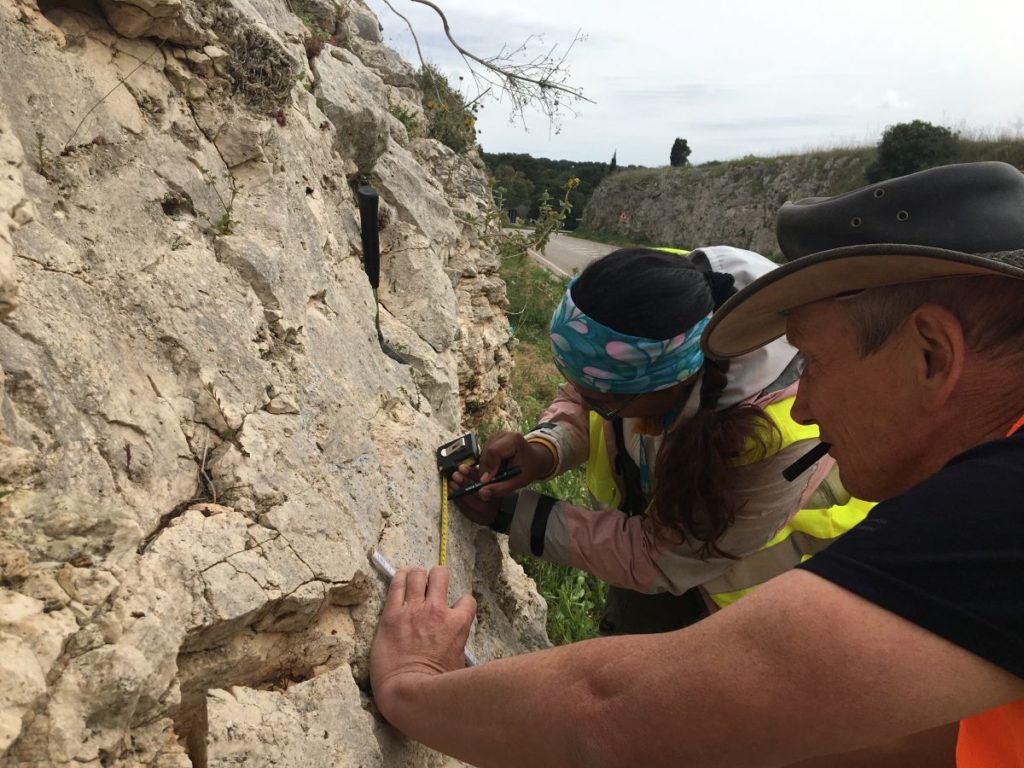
(738, 77)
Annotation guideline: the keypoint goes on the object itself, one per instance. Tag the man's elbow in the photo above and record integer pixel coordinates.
(605, 733)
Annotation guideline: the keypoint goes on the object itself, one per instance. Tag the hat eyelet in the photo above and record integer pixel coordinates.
(902, 216)
(856, 221)
(879, 192)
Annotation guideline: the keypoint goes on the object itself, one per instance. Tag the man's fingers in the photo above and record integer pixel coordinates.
(437, 585)
(415, 585)
(396, 593)
(465, 606)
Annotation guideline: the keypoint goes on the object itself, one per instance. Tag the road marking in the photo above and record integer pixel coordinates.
(550, 265)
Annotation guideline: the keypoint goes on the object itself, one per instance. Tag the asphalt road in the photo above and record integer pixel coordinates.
(566, 255)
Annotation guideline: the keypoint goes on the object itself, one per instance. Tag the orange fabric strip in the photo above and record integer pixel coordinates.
(993, 739)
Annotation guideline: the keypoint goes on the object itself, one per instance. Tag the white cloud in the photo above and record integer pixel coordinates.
(894, 100)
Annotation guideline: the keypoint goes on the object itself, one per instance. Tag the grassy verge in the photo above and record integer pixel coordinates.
(574, 598)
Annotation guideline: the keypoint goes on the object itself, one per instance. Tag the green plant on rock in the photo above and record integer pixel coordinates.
(450, 119)
(225, 223)
(261, 71)
(405, 116)
(551, 218)
(43, 157)
(317, 38)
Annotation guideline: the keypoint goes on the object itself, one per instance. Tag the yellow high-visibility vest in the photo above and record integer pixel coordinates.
(809, 531)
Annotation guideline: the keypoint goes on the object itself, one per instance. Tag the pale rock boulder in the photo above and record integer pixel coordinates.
(170, 19)
(322, 15)
(24, 682)
(32, 636)
(352, 96)
(361, 22)
(294, 725)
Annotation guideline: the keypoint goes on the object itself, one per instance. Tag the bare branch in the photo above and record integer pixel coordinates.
(412, 31)
(121, 81)
(539, 82)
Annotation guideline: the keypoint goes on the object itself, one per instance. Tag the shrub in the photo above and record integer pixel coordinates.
(449, 119)
(680, 153)
(910, 147)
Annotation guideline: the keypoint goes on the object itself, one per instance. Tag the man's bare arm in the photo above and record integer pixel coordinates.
(800, 668)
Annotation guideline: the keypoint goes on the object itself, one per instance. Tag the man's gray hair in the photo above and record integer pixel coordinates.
(990, 310)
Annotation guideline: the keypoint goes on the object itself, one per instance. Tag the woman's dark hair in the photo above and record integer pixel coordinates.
(657, 295)
(643, 292)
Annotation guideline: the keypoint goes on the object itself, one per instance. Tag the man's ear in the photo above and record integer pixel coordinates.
(937, 341)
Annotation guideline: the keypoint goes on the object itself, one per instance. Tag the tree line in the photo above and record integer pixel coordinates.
(521, 181)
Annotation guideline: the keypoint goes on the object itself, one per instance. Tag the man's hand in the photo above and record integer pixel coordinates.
(418, 634)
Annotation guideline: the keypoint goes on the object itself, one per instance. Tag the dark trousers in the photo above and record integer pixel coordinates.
(633, 613)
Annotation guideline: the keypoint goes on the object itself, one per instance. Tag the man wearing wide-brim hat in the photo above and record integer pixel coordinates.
(907, 300)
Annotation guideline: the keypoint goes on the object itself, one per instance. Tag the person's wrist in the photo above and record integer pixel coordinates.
(543, 458)
(397, 692)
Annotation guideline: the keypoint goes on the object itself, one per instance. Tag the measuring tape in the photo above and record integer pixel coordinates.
(461, 450)
(443, 554)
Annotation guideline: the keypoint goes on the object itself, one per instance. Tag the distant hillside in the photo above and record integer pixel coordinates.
(735, 202)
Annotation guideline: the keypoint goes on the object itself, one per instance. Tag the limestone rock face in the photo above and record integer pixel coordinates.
(733, 203)
(200, 435)
(15, 209)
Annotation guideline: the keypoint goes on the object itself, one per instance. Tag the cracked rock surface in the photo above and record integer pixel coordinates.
(200, 436)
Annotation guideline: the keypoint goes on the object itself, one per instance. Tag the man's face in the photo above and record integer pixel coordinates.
(863, 405)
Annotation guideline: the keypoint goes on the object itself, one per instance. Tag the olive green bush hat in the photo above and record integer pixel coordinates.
(955, 220)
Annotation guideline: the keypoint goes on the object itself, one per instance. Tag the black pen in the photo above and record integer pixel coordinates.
(505, 474)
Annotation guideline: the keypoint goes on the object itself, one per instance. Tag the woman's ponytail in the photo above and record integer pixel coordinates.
(693, 498)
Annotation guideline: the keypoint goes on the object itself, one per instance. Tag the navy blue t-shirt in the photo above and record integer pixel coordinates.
(947, 555)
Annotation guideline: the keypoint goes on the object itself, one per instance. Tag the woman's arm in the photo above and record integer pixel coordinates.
(625, 551)
(565, 428)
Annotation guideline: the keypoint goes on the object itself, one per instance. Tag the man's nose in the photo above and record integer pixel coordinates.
(800, 412)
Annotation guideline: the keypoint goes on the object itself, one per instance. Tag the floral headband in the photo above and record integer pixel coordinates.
(598, 357)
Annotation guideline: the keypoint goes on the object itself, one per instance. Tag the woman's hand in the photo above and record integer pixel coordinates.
(477, 509)
(508, 449)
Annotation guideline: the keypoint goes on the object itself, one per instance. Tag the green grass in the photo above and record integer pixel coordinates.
(533, 293)
(574, 598)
